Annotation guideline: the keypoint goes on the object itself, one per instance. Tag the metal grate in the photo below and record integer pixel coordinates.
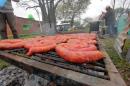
(96, 69)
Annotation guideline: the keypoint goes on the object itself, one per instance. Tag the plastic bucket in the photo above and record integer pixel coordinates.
(2, 3)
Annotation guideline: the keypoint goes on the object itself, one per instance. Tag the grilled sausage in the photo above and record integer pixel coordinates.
(78, 55)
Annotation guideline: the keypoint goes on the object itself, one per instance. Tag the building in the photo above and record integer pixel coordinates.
(25, 26)
(63, 27)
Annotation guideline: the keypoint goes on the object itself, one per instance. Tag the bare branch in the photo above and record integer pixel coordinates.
(35, 1)
(57, 3)
(128, 6)
(124, 3)
(113, 3)
(32, 7)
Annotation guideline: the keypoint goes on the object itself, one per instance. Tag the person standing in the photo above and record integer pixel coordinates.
(7, 17)
(110, 21)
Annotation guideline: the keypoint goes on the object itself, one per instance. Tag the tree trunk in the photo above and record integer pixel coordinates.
(52, 15)
(48, 29)
(72, 20)
(49, 22)
(114, 1)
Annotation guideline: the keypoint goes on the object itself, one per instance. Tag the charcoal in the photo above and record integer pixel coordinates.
(12, 76)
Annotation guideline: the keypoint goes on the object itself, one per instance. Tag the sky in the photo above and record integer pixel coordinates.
(93, 10)
(22, 12)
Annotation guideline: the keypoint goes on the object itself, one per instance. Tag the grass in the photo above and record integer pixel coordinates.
(121, 64)
(3, 64)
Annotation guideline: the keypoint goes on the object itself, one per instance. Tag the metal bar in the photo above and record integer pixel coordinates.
(93, 67)
(98, 64)
(74, 68)
(61, 63)
(51, 58)
(68, 74)
(55, 58)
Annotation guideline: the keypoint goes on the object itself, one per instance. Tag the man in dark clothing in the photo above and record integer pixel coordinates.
(94, 26)
(7, 16)
(110, 21)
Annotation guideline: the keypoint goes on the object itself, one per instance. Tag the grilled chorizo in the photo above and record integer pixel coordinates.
(41, 49)
(77, 55)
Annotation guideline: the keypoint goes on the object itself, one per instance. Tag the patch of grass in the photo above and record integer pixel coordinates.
(3, 64)
(122, 65)
(126, 46)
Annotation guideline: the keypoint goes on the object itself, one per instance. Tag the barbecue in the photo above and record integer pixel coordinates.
(99, 73)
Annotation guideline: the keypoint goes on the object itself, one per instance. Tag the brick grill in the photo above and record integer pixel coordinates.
(97, 73)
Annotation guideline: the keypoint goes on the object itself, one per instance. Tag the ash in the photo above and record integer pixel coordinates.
(14, 76)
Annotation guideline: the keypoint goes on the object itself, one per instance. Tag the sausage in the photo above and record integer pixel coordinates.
(7, 46)
(88, 41)
(78, 55)
(11, 41)
(91, 36)
(79, 46)
(29, 44)
(41, 49)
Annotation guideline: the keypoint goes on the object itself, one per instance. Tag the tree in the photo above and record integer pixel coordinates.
(30, 17)
(47, 10)
(70, 9)
(123, 6)
(119, 12)
(87, 20)
(113, 2)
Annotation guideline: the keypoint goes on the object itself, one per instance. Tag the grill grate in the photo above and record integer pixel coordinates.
(96, 69)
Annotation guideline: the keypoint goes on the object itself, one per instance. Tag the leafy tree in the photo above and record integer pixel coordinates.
(70, 9)
(77, 23)
(30, 17)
